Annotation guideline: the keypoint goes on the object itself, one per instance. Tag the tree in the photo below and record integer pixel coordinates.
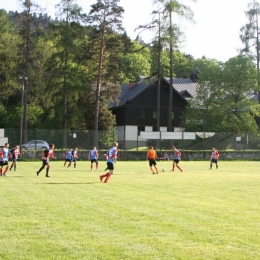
(156, 52)
(105, 16)
(65, 73)
(167, 35)
(9, 59)
(183, 65)
(135, 62)
(30, 31)
(249, 35)
(171, 8)
(223, 101)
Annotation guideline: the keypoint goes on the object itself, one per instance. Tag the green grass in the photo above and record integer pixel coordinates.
(197, 214)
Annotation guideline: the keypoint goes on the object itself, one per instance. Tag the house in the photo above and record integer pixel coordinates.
(137, 109)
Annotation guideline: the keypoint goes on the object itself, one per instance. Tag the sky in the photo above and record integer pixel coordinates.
(215, 33)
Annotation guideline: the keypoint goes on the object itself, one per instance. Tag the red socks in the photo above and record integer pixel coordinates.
(107, 178)
(107, 175)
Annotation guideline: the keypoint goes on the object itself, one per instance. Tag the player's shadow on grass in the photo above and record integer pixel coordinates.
(21, 176)
(64, 183)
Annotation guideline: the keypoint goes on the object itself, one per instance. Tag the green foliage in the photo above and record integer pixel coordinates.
(66, 74)
(34, 114)
(182, 67)
(5, 23)
(223, 101)
(9, 59)
(164, 62)
(3, 115)
(249, 34)
(136, 62)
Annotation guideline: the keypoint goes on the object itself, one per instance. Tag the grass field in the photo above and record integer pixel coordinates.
(197, 214)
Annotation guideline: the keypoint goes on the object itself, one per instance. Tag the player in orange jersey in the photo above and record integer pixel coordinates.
(151, 157)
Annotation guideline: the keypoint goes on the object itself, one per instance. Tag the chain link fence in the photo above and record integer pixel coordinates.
(195, 141)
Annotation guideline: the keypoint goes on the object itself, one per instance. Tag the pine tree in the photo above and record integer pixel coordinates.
(105, 16)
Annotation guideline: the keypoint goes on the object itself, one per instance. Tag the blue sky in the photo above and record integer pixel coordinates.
(215, 33)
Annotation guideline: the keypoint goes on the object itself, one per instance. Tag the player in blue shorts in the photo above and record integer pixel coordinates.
(74, 157)
(111, 160)
(176, 158)
(93, 157)
(46, 155)
(4, 155)
(214, 158)
(15, 152)
(68, 156)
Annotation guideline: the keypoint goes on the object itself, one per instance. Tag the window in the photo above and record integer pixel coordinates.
(154, 114)
(141, 113)
(140, 129)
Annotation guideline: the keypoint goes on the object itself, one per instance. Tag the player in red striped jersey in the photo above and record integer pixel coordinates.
(4, 155)
(46, 155)
(15, 152)
(176, 159)
(214, 158)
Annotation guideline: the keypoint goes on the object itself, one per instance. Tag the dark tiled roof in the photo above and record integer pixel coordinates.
(130, 93)
(185, 87)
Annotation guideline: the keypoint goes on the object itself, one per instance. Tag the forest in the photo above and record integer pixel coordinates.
(63, 73)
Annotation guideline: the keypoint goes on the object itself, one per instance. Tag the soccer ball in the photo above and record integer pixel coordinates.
(163, 170)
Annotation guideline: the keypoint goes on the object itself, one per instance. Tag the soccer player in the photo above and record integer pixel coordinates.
(68, 156)
(176, 159)
(15, 152)
(111, 160)
(74, 157)
(46, 155)
(106, 157)
(151, 157)
(214, 158)
(93, 157)
(1, 161)
(4, 155)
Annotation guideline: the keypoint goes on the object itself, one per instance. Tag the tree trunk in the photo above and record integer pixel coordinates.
(159, 86)
(25, 100)
(99, 82)
(171, 77)
(257, 62)
(64, 123)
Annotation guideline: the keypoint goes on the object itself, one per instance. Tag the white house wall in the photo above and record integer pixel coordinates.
(3, 139)
(131, 132)
(120, 133)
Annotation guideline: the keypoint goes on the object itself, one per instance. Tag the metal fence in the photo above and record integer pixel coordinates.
(202, 141)
(63, 139)
(83, 139)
